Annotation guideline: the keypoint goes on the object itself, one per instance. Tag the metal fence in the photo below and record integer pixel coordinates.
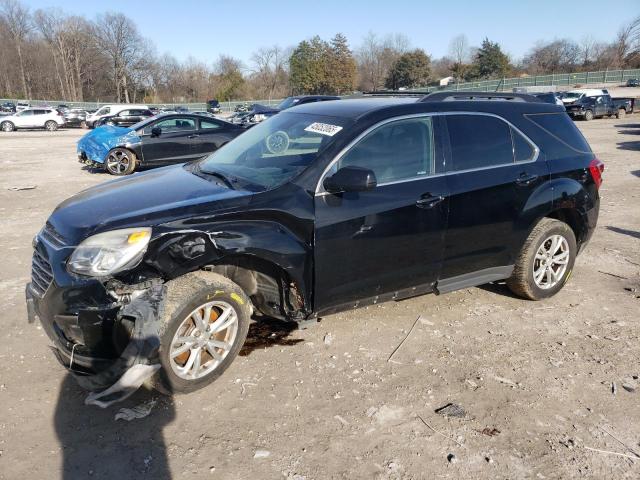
(192, 107)
(570, 80)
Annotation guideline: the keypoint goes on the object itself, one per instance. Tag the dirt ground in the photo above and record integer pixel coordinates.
(536, 380)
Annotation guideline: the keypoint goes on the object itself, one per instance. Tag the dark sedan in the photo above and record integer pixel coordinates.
(76, 117)
(125, 118)
(162, 140)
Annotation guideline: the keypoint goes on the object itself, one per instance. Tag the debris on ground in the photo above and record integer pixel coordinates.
(341, 420)
(404, 339)
(21, 188)
(128, 383)
(451, 410)
(629, 387)
(490, 432)
(261, 454)
(328, 339)
(452, 458)
(139, 411)
(614, 388)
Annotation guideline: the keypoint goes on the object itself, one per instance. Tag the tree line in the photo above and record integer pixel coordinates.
(49, 54)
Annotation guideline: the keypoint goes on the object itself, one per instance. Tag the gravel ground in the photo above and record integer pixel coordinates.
(535, 380)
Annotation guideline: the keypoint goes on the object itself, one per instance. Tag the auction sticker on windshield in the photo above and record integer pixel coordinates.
(323, 128)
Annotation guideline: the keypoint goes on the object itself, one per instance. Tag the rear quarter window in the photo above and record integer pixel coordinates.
(562, 128)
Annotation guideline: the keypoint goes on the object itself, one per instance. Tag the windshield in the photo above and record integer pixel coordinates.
(287, 103)
(103, 111)
(573, 95)
(275, 150)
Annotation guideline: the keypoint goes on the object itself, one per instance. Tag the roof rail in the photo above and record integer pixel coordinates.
(394, 93)
(479, 96)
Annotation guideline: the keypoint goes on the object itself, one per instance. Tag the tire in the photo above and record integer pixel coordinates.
(51, 126)
(621, 113)
(522, 281)
(186, 295)
(7, 127)
(588, 115)
(120, 161)
(84, 125)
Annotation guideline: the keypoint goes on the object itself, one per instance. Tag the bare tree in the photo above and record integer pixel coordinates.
(269, 69)
(459, 49)
(376, 56)
(117, 37)
(18, 22)
(587, 47)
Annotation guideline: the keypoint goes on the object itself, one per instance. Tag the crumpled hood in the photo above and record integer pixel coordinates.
(97, 143)
(143, 199)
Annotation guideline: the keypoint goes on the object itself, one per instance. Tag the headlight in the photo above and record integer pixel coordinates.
(109, 252)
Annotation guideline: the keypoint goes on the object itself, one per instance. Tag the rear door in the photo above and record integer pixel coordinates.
(492, 170)
(391, 237)
(175, 144)
(24, 119)
(212, 134)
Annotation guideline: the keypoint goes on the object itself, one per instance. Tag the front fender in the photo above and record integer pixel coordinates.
(174, 252)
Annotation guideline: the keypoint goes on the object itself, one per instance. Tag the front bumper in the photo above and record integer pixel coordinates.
(95, 335)
(576, 113)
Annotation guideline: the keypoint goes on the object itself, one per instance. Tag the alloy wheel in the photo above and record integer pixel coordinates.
(203, 340)
(550, 262)
(118, 161)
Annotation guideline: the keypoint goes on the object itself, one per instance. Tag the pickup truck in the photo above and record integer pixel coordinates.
(597, 106)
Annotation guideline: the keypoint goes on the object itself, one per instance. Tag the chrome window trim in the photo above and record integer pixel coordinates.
(319, 191)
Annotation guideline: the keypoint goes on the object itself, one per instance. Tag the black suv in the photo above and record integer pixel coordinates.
(125, 118)
(321, 208)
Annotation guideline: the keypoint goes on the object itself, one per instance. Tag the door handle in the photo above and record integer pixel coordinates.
(429, 201)
(526, 179)
(194, 135)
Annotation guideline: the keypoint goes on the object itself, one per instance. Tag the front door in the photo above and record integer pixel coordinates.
(174, 144)
(389, 238)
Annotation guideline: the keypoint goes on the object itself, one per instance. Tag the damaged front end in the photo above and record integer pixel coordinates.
(100, 330)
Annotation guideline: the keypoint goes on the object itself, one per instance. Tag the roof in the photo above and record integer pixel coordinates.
(357, 108)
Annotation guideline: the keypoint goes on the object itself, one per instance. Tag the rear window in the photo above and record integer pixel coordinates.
(560, 126)
(478, 141)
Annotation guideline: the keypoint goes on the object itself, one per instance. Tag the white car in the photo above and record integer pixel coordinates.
(22, 106)
(111, 110)
(43, 117)
(574, 95)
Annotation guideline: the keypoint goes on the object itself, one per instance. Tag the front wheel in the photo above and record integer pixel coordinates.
(51, 126)
(588, 115)
(545, 261)
(7, 127)
(204, 325)
(621, 113)
(120, 161)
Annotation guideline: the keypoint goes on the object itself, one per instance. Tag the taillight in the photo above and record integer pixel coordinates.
(596, 167)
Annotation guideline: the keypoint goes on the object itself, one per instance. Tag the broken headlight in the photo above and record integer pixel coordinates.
(109, 252)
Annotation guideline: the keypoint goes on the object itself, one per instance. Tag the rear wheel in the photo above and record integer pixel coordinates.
(120, 161)
(205, 323)
(7, 126)
(545, 261)
(588, 115)
(51, 126)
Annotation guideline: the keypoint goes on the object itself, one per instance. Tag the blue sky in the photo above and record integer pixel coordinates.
(205, 29)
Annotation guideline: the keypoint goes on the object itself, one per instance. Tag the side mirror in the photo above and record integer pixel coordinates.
(350, 179)
(156, 131)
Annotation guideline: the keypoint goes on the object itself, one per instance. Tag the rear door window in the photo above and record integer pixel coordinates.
(209, 125)
(560, 126)
(478, 141)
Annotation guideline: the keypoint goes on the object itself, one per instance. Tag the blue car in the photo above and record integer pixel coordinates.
(161, 140)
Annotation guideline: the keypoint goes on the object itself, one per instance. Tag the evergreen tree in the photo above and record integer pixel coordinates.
(341, 67)
(412, 69)
(490, 61)
(308, 66)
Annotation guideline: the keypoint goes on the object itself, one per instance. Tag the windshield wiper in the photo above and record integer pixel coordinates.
(228, 182)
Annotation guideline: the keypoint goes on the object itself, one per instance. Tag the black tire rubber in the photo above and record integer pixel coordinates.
(133, 162)
(7, 124)
(521, 281)
(184, 295)
(51, 126)
(588, 115)
(621, 113)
